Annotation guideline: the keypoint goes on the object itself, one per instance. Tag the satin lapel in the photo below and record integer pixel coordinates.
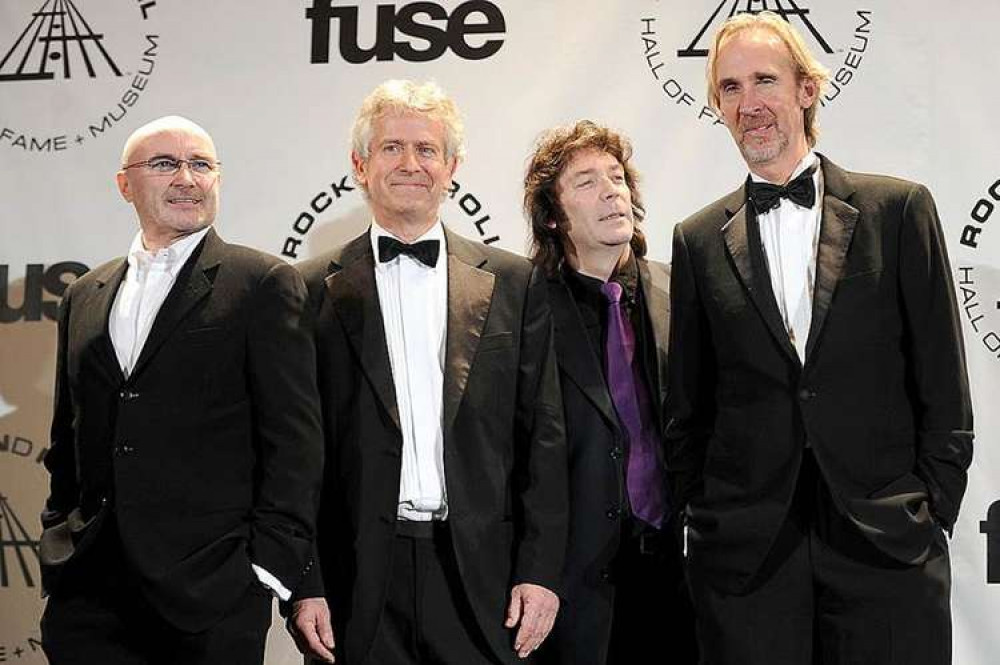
(737, 238)
(836, 231)
(193, 283)
(354, 300)
(655, 284)
(470, 291)
(575, 353)
(103, 300)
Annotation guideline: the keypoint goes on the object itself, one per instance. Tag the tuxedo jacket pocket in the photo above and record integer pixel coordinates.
(897, 518)
(493, 341)
(205, 335)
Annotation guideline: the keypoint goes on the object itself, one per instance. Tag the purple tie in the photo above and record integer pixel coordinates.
(643, 476)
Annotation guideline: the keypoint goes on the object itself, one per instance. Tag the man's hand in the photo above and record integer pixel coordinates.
(310, 627)
(535, 608)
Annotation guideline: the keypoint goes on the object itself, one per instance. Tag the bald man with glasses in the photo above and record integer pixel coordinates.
(186, 441)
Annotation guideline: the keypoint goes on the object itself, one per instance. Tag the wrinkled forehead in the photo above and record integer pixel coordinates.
(409, 125)
(761, 45)
(590, 158)
(180, 142)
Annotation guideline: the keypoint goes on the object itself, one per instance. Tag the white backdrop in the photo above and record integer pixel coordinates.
(915, 97)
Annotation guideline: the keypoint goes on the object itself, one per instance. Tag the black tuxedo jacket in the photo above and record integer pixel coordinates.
(504, 444)
(882, 397)
(595, 443)
(209, 452)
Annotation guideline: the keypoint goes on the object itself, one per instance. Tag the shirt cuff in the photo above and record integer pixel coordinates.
(271, 582)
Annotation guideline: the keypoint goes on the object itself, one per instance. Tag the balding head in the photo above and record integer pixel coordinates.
(165, 124)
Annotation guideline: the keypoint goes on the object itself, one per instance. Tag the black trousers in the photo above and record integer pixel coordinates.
(97, 615)
(653, 618)
(826, 596)
(427, 619)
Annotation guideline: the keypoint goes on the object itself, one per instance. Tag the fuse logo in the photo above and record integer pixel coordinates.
(415, 32)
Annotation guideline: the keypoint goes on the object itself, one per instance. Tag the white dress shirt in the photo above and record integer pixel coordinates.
(790, 236)
(148, 280)
(414, 302)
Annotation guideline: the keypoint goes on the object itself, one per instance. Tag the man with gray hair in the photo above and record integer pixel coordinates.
(186, 440)
(821, 423)
(442, 528)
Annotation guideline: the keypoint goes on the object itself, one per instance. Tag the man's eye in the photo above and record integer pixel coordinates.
(428, 151)
(585, 183)
(200, 165)
(391, 148)
(163, 164)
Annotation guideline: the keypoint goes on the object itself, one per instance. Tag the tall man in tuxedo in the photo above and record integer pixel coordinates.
(822, 426)
(623, 585)
(442, 528)
(186, 438)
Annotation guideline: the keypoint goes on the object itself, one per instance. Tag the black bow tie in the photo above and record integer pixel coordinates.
(801, 190)
(425, 251)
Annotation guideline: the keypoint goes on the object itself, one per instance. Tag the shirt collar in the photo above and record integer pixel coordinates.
(803, 164)
(627, 275)
(170, 258)
(436, 232)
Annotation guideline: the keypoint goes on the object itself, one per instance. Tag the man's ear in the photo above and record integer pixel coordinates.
(123, 185)
(808, 92)
(360, 167)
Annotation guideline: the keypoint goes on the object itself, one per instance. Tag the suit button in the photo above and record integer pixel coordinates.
(612, 513)
(805, 394)
(124, 449)
(616, 453)
(127, 395)
(605, 574)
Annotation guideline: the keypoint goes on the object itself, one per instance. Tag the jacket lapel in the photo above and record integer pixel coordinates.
(470, 290)
(836, 231)
(107, 286)
(194, 282)
(737, 236)
(576, 355)
(354, 300)
(655, 279)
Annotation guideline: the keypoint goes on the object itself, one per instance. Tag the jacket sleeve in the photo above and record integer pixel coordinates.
(541, 466)
(60, 460)
(690, 378)
(935, 357)
(281, 370)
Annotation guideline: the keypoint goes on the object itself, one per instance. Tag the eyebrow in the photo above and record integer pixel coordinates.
(196, 155)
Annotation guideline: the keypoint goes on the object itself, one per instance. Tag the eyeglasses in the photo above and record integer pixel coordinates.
(171, 165)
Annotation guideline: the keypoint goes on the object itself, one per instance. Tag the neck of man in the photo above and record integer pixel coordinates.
(600, 263)
(405, 228)
(154, 242)
(779, 170)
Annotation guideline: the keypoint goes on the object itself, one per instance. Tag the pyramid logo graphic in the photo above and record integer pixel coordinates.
(786, 9)
(57, 37)
(17, 548)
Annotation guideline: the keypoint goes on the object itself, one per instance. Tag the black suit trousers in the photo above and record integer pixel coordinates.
(653, 618)
(98, 615)
(826, 596)
(427, 618)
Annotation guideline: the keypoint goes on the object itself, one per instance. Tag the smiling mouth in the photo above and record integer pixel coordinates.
(184, 200)
(613, 216)
(757, 129)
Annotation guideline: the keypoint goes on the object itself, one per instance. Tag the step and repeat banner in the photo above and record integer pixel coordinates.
(277, 84)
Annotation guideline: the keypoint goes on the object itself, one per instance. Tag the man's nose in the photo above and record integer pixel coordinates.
(749, 101)
(184, 175)
(409, 160)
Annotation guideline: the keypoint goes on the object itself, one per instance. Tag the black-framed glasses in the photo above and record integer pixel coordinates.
(171, 165)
